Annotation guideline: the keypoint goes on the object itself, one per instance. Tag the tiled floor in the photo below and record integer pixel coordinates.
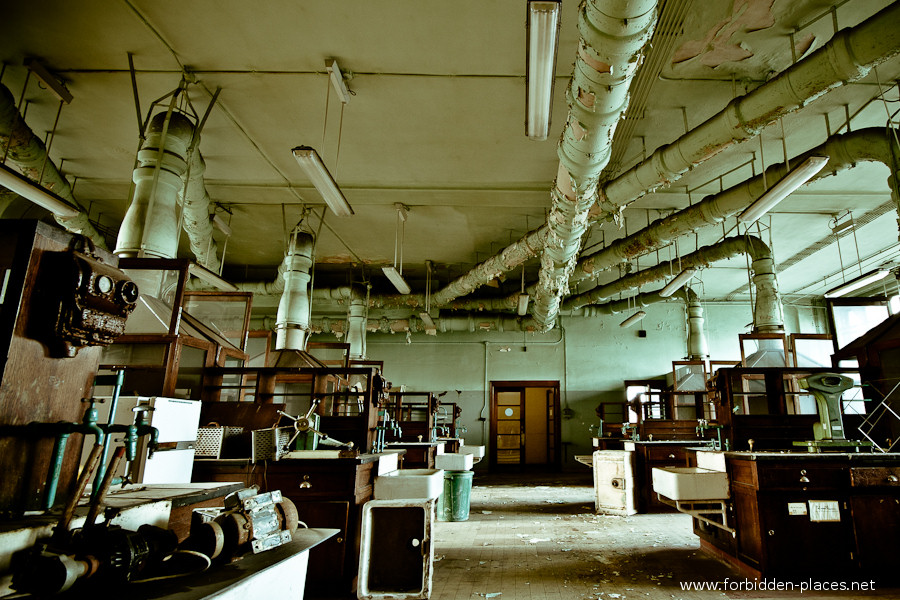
(533, 537)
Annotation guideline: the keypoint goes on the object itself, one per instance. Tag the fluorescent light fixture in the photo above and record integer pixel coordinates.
(30, 190)
(784, 188)
(211, 278)
(337, 80)
(543, 37)
(53, 84)
(219, 223)
(845, 225)
(677, 282)
(633, 319)
(318, 174)
(397, 279)
(522, 308)
(430, 328)
(857, 283)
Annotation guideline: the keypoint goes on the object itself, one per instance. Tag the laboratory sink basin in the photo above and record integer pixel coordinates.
(453, 461)
(409, 483)
(690, 483)
(477, 452)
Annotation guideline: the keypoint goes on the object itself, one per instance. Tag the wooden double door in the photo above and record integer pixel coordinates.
(525, 426)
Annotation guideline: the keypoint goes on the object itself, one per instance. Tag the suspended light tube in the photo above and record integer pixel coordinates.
(633, 319)
(857, 283)
(397, 279)
(543, 38)
(784, 188)
(211, 278)
(321, 178)
(33, 192)
(337, 80)
(430, 328)
(392, 272)
(677, 282)
(522, 308)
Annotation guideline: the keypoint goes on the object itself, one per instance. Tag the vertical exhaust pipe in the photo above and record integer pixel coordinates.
(150, 226)
(292, 320)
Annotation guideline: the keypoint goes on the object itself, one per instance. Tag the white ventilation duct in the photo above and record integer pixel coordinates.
(613, 36)
(356, 327)
(767, 311)
(29, 154)
(844, 151)
(150, 226)
(292, 320)
(195, 216)
(697, 346)
(844, 59)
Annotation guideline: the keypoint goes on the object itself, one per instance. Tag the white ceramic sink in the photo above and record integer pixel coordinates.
(453, 461)
(690, 483)
(409, 483)
(476, 451)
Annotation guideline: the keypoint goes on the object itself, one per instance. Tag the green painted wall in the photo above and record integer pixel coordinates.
(590, 357)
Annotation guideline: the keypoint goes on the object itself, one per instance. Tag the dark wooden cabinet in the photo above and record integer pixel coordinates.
(818, 516)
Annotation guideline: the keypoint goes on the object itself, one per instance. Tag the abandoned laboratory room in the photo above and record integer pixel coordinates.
(404, 300)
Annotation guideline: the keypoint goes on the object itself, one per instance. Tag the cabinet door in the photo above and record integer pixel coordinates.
(327, 561)
(876, 521)
(798, 543)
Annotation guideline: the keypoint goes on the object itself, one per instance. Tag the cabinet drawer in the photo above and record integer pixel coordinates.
(875, 477)
(801, 477)
(312, 483)
(669, 455)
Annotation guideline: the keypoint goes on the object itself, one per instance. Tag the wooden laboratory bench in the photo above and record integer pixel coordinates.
(800, 514)
(328, 492)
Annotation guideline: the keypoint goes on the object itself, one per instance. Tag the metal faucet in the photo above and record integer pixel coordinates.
(61, 431)
(635, 436)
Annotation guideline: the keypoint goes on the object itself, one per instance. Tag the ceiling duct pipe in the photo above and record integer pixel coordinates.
(29, 154)
(701, 258)
(356, 327)
(466, 323)
(195, 216)
(292, 319)
(844, 59)
(874, 144)
(767, 311)
(150, 226)
(613, 36)
(505, 261)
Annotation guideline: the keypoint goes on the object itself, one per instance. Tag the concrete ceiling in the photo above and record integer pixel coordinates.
(436, 122)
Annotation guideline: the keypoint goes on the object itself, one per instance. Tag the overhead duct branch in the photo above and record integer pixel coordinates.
(767, 312)
(195, 216)
(702, 257)
(844, 151)
(613, 36)
(845, 58)
(29, 154)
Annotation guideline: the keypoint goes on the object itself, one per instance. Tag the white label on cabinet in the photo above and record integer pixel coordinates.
(824, 510)
(796, 508)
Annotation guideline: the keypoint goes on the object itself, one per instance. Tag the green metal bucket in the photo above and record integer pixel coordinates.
(453, 504)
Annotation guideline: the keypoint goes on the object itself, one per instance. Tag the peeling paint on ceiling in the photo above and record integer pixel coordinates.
(718, 46)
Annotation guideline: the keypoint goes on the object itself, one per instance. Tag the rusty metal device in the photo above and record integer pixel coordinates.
(91, 299)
